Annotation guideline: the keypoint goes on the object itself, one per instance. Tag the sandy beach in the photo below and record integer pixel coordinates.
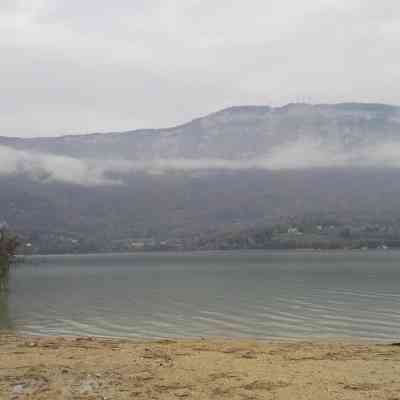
(93, 368)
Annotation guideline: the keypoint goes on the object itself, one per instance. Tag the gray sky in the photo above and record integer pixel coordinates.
(78, 66)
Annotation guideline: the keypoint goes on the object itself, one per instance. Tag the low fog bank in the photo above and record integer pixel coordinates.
(48, 167)
(92, 172)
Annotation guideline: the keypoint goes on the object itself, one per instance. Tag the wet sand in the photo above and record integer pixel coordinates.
(93, 368)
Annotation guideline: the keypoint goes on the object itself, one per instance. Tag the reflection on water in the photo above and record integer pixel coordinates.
(258, 294)
(4, 275)
(5, 320)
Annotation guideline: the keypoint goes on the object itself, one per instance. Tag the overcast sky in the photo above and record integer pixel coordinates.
(78, 66)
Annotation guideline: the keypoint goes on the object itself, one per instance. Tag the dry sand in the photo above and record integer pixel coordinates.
(87, 368)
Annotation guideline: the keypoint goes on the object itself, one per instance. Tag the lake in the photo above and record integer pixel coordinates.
(271, 295)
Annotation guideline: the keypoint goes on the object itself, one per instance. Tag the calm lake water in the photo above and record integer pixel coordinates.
(281, 295)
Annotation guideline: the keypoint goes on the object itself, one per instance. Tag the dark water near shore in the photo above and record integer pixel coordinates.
(234, 294)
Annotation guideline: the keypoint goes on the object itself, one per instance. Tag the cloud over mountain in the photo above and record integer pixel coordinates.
(50, 168)
(302, 154)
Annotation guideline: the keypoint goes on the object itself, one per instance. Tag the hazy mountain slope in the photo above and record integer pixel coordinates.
(179, 205)
(235, 133)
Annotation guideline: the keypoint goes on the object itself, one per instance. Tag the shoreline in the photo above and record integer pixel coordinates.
(58, 367)
(216, 251)
(318, 340)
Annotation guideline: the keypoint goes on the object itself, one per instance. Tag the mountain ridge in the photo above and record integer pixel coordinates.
(233, 133)
(360, 105)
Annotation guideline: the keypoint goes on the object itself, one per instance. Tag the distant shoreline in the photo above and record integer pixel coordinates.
(220, 251)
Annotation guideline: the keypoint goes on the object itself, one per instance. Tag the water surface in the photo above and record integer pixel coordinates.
(285, 295)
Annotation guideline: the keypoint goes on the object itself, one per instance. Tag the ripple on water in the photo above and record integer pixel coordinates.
(236, 296)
